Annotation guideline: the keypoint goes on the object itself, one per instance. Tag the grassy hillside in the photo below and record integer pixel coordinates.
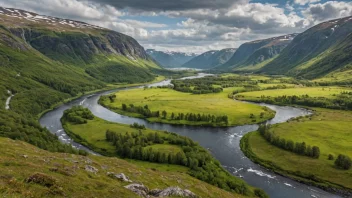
(65, 175)
(327, 129)
(316, 52)
(178, 102)
(137, 142)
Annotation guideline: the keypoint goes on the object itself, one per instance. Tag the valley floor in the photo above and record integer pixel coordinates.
(171, 101)
(328, 129)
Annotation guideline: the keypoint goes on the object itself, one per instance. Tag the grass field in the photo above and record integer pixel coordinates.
(71, 180)
(173, 101)
(92, 135)
(330, 130)
(327, 92)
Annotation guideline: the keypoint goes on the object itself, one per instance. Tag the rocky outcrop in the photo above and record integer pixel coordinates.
(121, 177)
(143, 191)
(91, 169)
(172, 191)
(139, 189)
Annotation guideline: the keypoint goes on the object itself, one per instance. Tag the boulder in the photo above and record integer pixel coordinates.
(91, 169)
(172, 191)
(139, 189)
(120, 176)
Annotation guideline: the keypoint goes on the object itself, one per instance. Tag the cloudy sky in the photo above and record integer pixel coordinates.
(193, 25)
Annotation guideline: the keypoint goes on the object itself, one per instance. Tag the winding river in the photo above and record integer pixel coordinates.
(223, 143)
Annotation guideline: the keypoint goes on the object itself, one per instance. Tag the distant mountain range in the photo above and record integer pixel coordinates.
(322, 50)
(170, 59)
(210, 59)
(255, 52)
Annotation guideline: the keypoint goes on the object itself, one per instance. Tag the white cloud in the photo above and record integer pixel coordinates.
(205, 27)
(304, 2)
(329, 10)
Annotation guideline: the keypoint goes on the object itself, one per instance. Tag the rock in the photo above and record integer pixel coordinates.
(120, 176)
(172, 191)
(25, 156)
(139, 189)
(91, 169)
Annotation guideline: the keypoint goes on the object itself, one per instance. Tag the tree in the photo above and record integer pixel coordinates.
(331, 157)
(164, 113)
(343, 162)
(172, 115)
(315, 152)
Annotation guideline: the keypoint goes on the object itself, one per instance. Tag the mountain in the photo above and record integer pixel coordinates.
(170, 59)
(104, 54)
(46, 60)
(316, 52)
(256, 52)
(210, 59)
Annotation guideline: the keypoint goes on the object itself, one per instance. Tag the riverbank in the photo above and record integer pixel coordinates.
(175, 103)
(327, 129)
(109, 87)
(139, 143)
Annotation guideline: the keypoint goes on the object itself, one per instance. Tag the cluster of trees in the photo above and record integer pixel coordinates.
(343, 162)
(198, 117)
(211, 84)
(342, 101)
(138, 126)
(145, 111)
(139, 145)
(27, 129)
(300, 148)
(78, 115)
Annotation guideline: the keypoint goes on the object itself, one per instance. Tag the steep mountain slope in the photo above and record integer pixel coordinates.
(46, 60)
(100, 52)
(257, 51)
(316, 52)
(210, 59)
(170, 59)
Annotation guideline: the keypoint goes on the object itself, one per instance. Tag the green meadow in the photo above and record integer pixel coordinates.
(327, 92)
(330, 130)
(172, 101)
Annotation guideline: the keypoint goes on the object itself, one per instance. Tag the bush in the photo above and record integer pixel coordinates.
(343, 162)
(331, 157)
(260, 193)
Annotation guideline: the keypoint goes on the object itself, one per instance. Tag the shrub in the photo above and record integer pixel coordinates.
(331, 157)
(343, 162)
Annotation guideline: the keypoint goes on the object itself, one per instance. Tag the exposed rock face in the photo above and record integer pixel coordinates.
(120, 176)
(143, 191)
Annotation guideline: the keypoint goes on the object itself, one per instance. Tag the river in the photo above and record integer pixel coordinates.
(223, 143)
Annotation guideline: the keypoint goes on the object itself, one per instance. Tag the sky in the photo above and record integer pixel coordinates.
(193, 25)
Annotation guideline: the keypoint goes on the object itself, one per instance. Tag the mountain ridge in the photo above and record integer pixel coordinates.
(170, 58)
(210, 59)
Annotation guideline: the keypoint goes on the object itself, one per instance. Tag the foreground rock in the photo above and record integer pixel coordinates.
(172, 191)
(120, 176)
(139, 189)
(143, 191)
